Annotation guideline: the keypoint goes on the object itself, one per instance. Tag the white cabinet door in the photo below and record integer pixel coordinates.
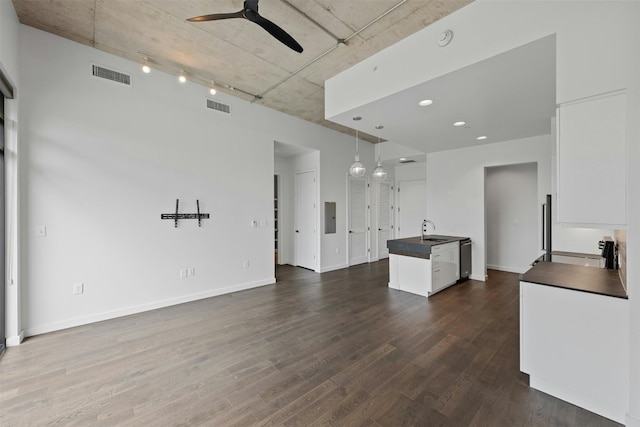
(591, 148)
(445, 265)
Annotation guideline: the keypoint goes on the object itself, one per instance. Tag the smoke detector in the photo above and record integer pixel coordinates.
(445, 38)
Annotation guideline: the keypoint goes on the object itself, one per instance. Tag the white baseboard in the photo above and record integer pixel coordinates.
(333, 267)
(16, 340)
(79, 321)
(506, 268)
(480, 277)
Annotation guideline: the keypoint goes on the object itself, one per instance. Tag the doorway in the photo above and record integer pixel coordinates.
(511, 217)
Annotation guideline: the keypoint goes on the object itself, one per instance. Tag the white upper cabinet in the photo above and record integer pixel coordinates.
(592, 168)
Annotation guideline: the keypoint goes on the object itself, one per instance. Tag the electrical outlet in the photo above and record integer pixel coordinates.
(78, 288)
(254, 223)
(41, 231)
(183, 273)
(245, 264)
(191, 272)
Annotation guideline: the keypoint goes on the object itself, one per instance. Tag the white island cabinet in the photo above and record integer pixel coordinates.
(425, 274)
(574, 346)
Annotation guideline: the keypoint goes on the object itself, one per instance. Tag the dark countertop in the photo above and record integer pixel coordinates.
(418, 248)
(576, 277)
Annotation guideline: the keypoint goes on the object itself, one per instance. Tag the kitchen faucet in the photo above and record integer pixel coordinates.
(424, 228)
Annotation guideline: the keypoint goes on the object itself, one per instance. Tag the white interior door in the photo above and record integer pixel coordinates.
(358, 221)
(385, 217)
(412, 207)
(305, 220)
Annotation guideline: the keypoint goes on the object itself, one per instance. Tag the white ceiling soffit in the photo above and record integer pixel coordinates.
(506, 97)
(236, 52)
(282, 149)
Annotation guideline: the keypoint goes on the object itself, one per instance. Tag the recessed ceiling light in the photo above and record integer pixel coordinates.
(425, 102)
(403, 159)
(460, 123)
(480, 138)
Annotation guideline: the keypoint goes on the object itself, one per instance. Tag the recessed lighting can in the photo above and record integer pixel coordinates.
(480, 138)
(425, 102)
(460, 123)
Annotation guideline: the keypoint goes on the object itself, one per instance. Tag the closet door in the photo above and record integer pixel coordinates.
(358, 221)
(385, 217)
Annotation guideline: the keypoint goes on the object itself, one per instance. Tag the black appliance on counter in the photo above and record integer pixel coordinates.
(608, 247)
(465, 259)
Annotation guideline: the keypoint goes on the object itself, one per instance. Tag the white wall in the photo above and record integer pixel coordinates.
(9, 65)
(411, 171)
(101, 162)
(456, 197)
(512, 214)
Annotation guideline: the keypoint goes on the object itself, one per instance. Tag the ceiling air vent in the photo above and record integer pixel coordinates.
(218, 106)
(406, 161)
(115, 76)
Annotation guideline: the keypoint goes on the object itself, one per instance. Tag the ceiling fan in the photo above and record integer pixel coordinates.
(250, 12)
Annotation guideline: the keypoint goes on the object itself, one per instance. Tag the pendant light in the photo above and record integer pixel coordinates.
(357, 169)
(379, 173)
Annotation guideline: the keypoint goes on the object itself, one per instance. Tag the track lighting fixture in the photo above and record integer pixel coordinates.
(212, 89)
(181, 77)
(145, 66)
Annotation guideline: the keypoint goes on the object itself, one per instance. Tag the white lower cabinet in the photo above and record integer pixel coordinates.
(445, 265)
(426, 276)
(574, 346)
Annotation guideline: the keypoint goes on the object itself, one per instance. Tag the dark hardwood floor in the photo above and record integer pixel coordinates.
(338, 348)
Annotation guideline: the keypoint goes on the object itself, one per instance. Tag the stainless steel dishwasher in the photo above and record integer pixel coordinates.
(465, 259)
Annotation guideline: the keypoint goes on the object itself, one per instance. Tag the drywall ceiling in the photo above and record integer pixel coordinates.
(236, 53)
(506, 97)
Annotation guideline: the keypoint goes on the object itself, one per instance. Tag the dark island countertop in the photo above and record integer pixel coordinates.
(418, 248)
(576, 277)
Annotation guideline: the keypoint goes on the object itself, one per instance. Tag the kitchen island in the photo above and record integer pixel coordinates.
(574, 326)
(424, 266)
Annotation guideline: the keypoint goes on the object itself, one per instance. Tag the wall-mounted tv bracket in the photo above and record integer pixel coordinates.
(176, 216)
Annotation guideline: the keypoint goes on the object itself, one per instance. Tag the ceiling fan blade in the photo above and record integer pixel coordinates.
(217, 16)
(274, 30)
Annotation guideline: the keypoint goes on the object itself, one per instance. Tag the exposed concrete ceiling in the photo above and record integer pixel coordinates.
(238, 53)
